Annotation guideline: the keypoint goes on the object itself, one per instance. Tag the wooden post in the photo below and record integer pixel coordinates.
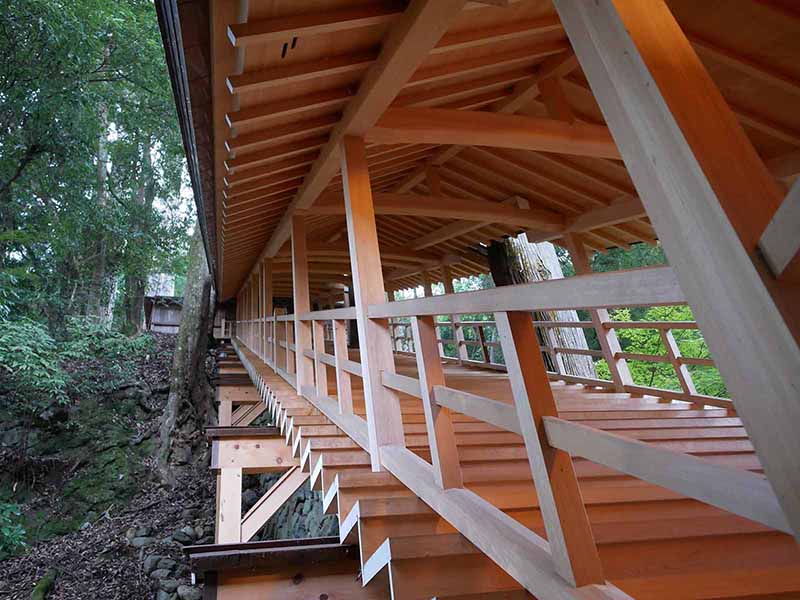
(344, 389)
(674, 354)
(229, 506)
(269, 328)
(609, 344)
(568, 530)
(441, 436)
(709, 197)
(458, 332)
(427, 287)
(384, 420)
(320, 372)
(302, 304)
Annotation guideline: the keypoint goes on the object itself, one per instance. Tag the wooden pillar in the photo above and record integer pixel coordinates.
(427, 285)
(568, 531)
(302, 304)
(709, 197)
(384, 421)
(269, 328)
(609, 344)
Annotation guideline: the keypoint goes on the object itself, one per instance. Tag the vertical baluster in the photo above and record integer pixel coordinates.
(344, 389)
(441, 436)
(320, 372)
(484, 348)
(681, 370)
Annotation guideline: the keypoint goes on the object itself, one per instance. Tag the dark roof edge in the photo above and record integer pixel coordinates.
(169, 23)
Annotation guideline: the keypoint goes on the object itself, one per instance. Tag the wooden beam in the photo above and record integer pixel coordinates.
(462, 40)
(297, 73)
(651, 286)
(613, 214)
(327, 99)
(735, 490)
(785, 166)
(330, 21)
(568, 531)
(275, 497)
(234, 179)
(384, 420)
(407, 45)
(480, 128)
(744, 65)
(780, 242)
(274, 154)
(445, 207)
(680, 139)
(524, 92)
(513, 546)
(281, 133)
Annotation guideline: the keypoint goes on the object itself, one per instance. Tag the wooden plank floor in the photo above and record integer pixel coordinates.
(654, 543)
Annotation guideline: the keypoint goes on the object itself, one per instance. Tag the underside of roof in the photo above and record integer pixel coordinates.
(266, 90)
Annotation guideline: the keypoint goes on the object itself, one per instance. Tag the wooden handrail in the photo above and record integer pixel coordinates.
(347, 313)
(734, 490)
(652, 286)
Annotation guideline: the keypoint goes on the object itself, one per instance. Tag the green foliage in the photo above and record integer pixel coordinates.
(34, 379)
(99, 357)
(39, 374)
(707, 380)
(12, 534)
(64, 65)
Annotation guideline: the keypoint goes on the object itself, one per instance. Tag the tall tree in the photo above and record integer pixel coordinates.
(515, 260)
(83, 91)
(188, 407)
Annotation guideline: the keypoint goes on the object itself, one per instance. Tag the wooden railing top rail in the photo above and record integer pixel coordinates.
(652, 286)
(340, 314)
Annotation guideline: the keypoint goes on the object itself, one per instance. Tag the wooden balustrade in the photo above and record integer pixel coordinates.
(549, 440)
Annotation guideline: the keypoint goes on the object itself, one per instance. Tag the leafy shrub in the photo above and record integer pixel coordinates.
(89, 339)
(12, 534)
(99, 358)
(32, 374)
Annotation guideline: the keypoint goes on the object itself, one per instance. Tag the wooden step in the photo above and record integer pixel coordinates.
(347, 487)
(427, 566)
(313, 568)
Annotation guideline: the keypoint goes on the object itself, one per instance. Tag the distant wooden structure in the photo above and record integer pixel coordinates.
(162, 314)
(375, 146)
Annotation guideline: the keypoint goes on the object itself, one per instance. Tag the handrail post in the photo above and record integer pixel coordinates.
(344, 390)
(565, 520)
(384, 419)
(439, 426)
(455, 320)
(302, 304)
(681, 370)
(321, 374)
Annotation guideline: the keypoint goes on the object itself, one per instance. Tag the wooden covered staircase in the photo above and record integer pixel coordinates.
(653, 542)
